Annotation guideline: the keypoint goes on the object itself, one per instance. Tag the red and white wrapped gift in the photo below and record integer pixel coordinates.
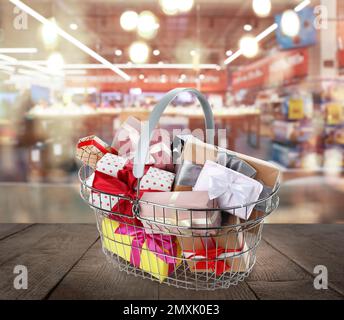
(113, 175)
(91, 149)
(128, 137)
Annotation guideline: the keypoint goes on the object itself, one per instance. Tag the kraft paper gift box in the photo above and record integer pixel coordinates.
(127, 138)
(91, 149)
(225, 252)
(195, 153)
(266, 172)
(172, 217)
(229, 188)
(156, 254)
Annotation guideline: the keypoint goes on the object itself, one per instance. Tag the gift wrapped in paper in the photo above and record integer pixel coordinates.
(172, 216)
(229, 188)
(223, 253)
(91, 149)
(113, 176)
(195, 153)
(127, 139)
(156, 254)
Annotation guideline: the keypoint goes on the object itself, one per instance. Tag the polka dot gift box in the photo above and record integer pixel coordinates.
(108, 177)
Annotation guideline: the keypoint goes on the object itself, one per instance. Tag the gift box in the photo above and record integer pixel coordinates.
(111, 164)
(157, 254)
(229, 188)
(173, 216)
(91, 149)
(113, 176)
(223, 253)
(195, 153)
(128, 137)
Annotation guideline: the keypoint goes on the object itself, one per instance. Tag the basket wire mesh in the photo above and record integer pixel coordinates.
(201, 258)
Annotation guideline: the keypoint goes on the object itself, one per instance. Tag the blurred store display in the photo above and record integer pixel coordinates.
(271, 70)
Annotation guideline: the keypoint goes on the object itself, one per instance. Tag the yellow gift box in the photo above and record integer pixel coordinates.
(156, 254)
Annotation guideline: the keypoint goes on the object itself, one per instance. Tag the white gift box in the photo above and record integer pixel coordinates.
(110, 164)
(229, 187)
(98, 199)
(157, 179)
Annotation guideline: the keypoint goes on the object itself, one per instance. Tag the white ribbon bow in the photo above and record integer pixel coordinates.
(134, 137)
(229, 190)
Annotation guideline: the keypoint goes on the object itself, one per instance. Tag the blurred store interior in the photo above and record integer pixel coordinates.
(272, 71)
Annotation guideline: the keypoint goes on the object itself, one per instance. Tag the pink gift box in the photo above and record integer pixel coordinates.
(127, 138)
(172, 217)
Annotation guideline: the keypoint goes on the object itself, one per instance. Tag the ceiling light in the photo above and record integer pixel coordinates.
(147, 25)
(49, 33)
(141, 76)
(169, 7)
(139, 52)
(290, 23)
(55, 62)
(248, 27)
(129, 20)
(18, 50)
(73, 26)
(70, 38)
(185, 5)
(118, 52)
(229, 53)
(261, 8)
(249, 46)
(156, 52)
(182, 76)
(192, 53)
(201, 76)
(130, 65)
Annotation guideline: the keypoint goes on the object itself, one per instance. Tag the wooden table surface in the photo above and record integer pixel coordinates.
(65, 261)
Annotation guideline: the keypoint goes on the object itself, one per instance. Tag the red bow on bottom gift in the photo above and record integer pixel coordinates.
(212, 257)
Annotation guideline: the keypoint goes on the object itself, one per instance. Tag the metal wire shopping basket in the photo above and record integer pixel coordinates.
(161, 249)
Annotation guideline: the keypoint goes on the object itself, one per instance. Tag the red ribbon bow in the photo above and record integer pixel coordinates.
(211, 260)
(100, 147)
(124, 184)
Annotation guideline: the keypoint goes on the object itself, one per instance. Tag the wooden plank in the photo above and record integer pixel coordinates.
(8, 229)
(292, 290)
(311, 245)
(95, 278)
(48, 251)
(271, 265)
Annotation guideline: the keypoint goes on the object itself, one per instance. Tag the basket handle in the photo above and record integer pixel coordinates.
(149, 126)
